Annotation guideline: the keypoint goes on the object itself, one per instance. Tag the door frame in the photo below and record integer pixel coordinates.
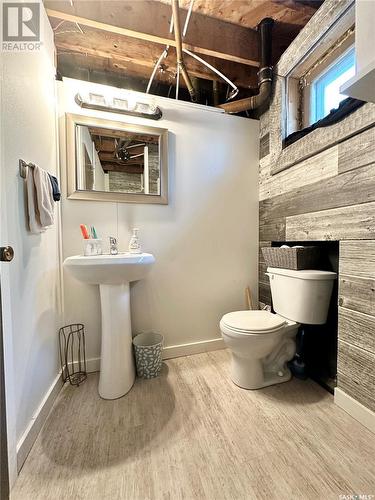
(4, 467)
(6, 320)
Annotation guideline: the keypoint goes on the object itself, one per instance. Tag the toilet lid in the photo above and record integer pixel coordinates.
(253, 321)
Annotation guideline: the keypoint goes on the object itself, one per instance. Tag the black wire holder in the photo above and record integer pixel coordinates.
(73, 353)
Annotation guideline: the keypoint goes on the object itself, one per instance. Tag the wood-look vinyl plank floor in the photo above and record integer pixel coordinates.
(192, 434)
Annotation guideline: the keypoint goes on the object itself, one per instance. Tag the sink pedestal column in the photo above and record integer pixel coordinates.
(117, 368)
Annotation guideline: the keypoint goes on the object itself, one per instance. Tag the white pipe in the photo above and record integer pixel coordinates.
(212, 68)
(162, 56)
(187, 19)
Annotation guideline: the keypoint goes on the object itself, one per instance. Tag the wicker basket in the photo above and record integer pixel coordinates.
(292, 258)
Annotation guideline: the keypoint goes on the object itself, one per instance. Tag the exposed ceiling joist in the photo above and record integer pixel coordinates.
(118, 42)
(128, 55)
(209, 44)
(121, 134)
(128, 169)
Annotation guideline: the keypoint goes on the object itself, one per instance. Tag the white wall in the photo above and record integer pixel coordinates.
(87, 144)
(28, 119)
(100, 176)
(204, 240)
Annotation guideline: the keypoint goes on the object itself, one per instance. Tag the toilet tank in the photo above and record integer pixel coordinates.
(301, 296)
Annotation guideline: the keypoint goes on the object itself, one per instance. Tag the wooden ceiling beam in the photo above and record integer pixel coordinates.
(110, 158)
(122, 134)
(139, 57)
(128, 169)
(241, 44)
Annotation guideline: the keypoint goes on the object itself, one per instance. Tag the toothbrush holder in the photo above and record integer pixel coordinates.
(92, 246)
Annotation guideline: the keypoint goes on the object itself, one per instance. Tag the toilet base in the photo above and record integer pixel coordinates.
(253, 376)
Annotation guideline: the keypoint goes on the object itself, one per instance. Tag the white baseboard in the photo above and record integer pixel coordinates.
(355, 409)
(175, 351)
(28, 438)
(93, 365)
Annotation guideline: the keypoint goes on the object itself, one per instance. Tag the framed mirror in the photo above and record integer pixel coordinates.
(116, 161)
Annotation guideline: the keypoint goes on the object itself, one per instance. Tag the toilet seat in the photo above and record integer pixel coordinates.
(253, 322)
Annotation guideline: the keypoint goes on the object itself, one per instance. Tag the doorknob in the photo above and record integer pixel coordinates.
(6, 254)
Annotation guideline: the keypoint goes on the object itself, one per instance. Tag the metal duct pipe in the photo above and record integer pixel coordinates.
(265, 73)
(180, 59)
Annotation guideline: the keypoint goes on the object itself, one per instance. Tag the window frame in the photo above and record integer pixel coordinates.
(340, 65)
(331, 22)
(306, 80)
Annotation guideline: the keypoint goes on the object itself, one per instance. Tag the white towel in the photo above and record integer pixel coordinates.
(44, 195)
(32, 204)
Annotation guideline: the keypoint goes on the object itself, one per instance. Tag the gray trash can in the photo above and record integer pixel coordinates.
(148, 349)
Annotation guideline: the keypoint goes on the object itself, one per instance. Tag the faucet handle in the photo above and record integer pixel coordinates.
(113, 250)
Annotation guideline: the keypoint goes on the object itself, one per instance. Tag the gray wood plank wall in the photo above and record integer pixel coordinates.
(338, 205)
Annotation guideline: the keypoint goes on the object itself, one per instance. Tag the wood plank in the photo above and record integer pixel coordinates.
(350, 188)
(262, 270)
(264, 174)
(357, 294)
(355, 222)
(127, 169)
(264, 123)
(357, 151)
(149, 21)
(308, 44)
(265, 293)
(322, 138)
(264, 243)
(264, 146)
(121, 134)
(357, 329)
(293, 13)
(317, 168)
(357, 258)
(139, 56)
(356, 374)
(272, 230)
(309, 38)
(117, 72)
(261, 245)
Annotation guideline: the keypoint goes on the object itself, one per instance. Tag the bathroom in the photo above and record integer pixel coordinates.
(264, 386)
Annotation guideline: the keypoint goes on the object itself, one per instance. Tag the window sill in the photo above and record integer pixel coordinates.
(321, 139)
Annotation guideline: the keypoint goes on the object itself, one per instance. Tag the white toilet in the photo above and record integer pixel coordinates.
(262, 342)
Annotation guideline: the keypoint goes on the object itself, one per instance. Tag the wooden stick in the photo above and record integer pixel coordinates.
(249, 299)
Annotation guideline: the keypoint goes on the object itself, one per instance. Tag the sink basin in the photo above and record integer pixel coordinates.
(113, 273)
(109, 269)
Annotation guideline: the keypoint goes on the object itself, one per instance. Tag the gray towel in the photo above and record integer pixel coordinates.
(44, 195)
(32, 205)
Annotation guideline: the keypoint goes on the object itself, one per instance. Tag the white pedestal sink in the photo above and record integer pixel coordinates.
(113, 273)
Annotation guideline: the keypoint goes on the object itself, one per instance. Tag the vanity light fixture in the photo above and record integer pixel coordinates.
(129, 106)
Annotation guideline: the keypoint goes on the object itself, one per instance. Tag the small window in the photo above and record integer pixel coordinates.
(325, 89)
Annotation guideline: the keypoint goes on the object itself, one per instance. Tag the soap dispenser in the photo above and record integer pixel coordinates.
(134, 244)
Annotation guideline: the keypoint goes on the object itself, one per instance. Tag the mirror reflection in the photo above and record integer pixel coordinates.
(117, 161)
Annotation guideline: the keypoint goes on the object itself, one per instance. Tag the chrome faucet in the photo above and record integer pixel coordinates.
(113, 249)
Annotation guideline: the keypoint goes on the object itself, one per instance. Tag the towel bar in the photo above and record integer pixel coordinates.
(23, 166)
